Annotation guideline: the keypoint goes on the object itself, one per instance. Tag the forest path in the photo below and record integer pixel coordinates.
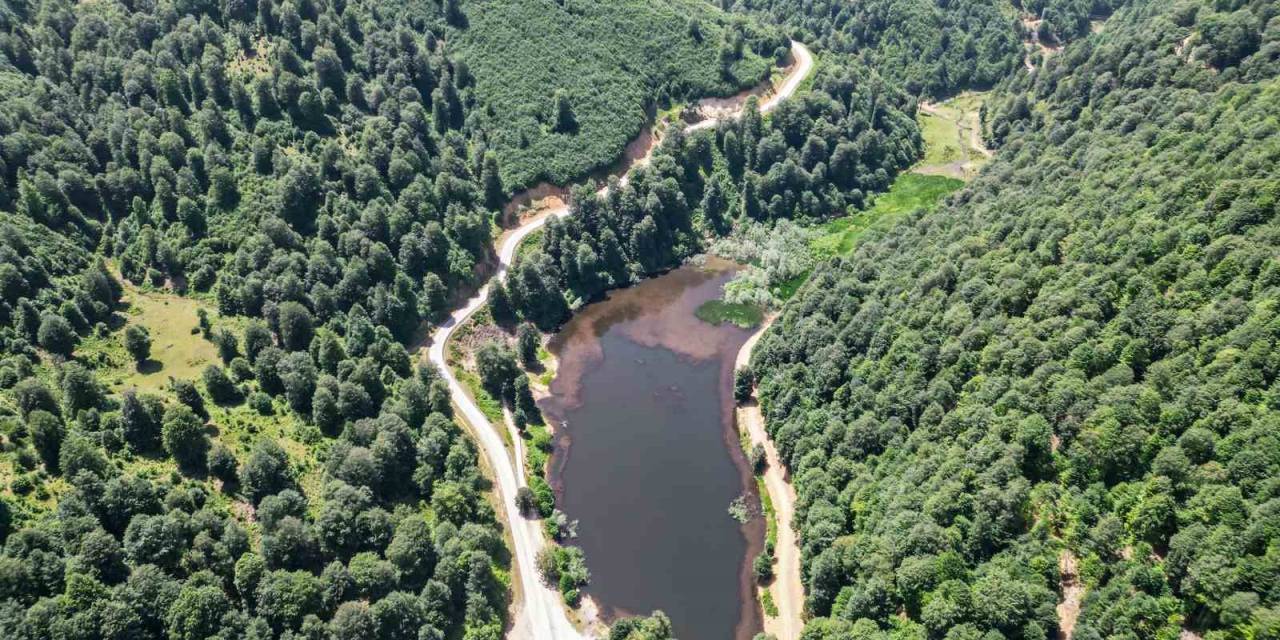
(786, 589)
(1072, 594)
(542, 614)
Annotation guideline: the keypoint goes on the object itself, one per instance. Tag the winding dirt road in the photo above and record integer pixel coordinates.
(786, 588)
(542, 615)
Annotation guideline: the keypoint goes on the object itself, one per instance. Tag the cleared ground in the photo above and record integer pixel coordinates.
(952, 132)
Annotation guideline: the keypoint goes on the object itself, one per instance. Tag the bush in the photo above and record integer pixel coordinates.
(543, 495)
(757, 458)
(261, 403)
(222, 464)
(743, 384)
(137, 342)
(56, 335)
(187, 394)
(47, 434)
(266, 472)
(184, 437)
(762, 567)
(525, 501)
(219, 387)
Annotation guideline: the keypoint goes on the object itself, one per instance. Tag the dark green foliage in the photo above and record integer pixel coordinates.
(140, 418)
(528, 340)
(47, 433)
(655, 627)
(563, 119)
(222, 464)
(500, 305)
(184, 437)
(1070, 353)
(227, 344)
(32, 394)
(78, 453)
(295, 326)
(744, 380)
(256, 338)
(80, 389)
(523, 401)
(266, 472)
(559, 113)
(762, 568)
(219, 387)
(6, 519)
(196, 613)
(526, 502)
(138, 343)
(496, 365)
(564, 567)
(1065, 20)
(56, 335)
(186, 393)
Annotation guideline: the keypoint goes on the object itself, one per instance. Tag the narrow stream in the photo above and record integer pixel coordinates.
(649, 460)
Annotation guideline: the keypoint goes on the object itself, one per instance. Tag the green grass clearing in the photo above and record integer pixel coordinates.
(530, 245)
(770, 516)
(941, 140)
(952, 136)
(719, 312)
(787, 289)
(909, 192)
(175, 350)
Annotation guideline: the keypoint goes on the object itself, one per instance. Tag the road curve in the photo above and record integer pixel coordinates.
(787, 590)
(542, 616)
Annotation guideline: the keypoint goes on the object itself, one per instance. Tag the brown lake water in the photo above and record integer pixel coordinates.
(649, 459)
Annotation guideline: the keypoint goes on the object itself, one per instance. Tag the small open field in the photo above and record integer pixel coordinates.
(952, 132)
(177, 348)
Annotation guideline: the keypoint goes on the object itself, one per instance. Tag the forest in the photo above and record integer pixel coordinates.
(1063, 375)
(1066, 374)
(930, 49)
(315, 181)
(655, 54)
(818, 155)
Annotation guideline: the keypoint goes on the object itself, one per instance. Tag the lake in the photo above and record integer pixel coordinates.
(648, 459)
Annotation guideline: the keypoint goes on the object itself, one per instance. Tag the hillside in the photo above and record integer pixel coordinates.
(610, 62)
(1069, 364)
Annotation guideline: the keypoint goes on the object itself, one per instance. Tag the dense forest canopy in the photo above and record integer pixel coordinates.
(316, 178)
(1072, 363)
(1066, 373)
(610, 61)
(820, 154)
(929, 48)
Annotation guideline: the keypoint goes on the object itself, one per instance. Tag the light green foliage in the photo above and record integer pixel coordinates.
(910, 193)
(718, 312)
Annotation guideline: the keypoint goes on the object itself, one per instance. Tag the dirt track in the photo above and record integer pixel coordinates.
(786, 588)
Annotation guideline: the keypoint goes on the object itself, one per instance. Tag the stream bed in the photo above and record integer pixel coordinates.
(648, 459)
